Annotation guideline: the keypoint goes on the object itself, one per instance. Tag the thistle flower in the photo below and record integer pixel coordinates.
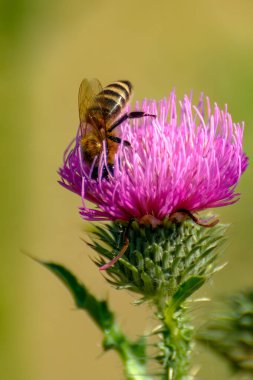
(166, 169)
(187, 160)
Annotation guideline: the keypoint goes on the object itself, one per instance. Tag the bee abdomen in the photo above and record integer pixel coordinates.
(112, 99)
(122, 88)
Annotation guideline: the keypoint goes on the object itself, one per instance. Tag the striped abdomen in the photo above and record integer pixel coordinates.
(109, 103)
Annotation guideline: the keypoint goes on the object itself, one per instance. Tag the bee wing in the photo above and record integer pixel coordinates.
(87, 91)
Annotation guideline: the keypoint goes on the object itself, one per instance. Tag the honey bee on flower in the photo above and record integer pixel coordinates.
(101, 112)
(178, 161)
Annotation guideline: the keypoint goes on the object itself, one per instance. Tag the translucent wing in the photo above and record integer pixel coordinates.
(87, 91)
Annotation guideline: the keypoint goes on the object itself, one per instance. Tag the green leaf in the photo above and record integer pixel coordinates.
(132, 353)
(185, 290)
(98, 310)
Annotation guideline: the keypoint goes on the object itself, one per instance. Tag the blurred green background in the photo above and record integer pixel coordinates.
(47, 47)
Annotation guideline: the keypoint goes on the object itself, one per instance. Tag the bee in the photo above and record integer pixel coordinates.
(101, 111)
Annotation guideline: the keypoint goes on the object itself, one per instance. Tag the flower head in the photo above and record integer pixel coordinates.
(187, 158)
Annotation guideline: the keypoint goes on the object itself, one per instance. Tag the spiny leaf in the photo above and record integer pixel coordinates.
(98, 310)
(185, 290)
(229, 331)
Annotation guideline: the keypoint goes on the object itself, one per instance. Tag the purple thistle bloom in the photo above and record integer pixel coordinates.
(180, 160)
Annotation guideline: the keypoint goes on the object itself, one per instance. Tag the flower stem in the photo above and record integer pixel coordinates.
(176, 336)
(132, 354)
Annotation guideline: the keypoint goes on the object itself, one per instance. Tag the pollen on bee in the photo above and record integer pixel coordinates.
(91, 147)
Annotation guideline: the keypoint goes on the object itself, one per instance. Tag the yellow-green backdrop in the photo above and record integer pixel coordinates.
(47, 47)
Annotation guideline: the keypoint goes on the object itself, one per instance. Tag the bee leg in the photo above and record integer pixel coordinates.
(118, 122)
(138, 114)
(118, 140)
(130, 115)
(106, 171)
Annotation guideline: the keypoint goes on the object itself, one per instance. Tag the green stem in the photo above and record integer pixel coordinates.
(131, 354)
(176, 343)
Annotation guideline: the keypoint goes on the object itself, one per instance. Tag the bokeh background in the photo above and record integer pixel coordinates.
(47, 47)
